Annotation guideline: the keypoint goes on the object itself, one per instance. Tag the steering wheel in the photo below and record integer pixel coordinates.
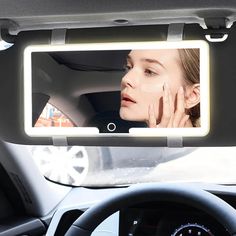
(141, 193)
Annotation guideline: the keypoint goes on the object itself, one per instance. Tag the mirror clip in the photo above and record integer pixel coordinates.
(59, 141)
(58, 36)
(174, 142)
(175, 32)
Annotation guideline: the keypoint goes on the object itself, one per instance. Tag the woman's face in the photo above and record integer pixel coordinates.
(142, 85)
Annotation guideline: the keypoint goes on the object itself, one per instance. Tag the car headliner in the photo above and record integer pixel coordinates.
(42, 14)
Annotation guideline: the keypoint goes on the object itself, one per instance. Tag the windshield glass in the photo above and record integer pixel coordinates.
(114, 166)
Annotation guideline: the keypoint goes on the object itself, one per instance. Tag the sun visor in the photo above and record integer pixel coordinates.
(99, 97)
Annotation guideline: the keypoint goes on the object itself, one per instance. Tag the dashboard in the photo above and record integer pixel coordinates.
(149, 219)
(167, 219)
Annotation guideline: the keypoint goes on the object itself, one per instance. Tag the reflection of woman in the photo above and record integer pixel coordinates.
(161, 87)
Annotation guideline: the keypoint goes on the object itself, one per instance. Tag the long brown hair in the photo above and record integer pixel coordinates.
(190, 63)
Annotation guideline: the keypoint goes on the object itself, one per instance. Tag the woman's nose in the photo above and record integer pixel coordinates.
(130, 79)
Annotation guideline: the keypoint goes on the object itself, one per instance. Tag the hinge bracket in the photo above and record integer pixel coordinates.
(216, 28)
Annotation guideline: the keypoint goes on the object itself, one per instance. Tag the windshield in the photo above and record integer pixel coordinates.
(114, 166)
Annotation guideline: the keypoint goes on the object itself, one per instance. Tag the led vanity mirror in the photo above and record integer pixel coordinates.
(117, 89)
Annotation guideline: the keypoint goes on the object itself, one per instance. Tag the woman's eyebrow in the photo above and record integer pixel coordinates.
(150, 60)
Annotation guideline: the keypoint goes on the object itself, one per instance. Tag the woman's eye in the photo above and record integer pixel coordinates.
(150, 72)
(127, 68)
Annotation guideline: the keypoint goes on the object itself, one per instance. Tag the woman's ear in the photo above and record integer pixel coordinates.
(192, 95)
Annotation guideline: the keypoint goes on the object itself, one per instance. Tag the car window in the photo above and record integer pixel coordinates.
(112, 166)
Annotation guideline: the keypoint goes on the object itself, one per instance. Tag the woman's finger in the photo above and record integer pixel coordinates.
(166, 116)
(151, 117)
(171, 101)
(184, 121)
(180, 108)
(172, 109)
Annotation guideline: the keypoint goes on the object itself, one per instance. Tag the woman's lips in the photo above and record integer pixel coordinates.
(126, 100)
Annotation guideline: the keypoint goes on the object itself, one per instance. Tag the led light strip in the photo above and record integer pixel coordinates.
(87, 131)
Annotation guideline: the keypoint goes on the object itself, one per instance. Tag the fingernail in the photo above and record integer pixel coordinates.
(181, 90)
(167, 88)
(152, 107)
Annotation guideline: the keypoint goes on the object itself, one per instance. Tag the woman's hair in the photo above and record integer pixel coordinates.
(189, 59)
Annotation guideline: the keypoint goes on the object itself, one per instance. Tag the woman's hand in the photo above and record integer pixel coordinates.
(171, 117)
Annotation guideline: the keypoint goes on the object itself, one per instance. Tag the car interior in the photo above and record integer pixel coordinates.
(72, 163)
